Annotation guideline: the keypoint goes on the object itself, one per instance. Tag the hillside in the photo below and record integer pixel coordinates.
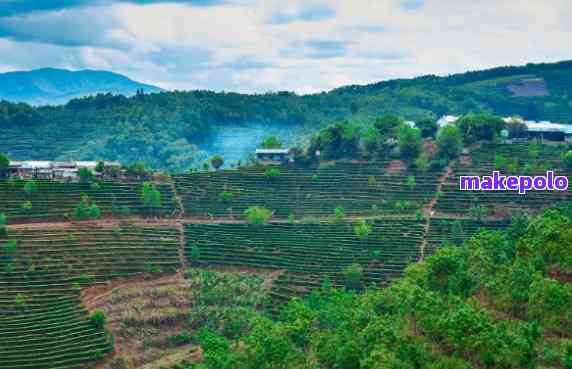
(50, 86)
(360, 262)
(179, 130)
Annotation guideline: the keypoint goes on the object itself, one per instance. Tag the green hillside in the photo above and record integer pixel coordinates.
(164, 129)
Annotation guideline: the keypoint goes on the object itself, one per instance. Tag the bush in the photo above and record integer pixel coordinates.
(217, 161)
(339, 214)
(258, 215)
(31, 187)
(11, 246)
(82, 211)
(150, 197)
(94, 212)
(353, 274)
(225, 196)
(449, 142)
(27, 205)
(567, 160)
(272, 173)
(98, 319)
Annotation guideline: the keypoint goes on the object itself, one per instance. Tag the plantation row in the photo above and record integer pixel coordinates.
(42, 323)
(52, 200)
(309, 253)
(359, 188)
(509, 159)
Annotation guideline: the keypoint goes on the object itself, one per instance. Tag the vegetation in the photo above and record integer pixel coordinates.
(257, 215)
(151, 197)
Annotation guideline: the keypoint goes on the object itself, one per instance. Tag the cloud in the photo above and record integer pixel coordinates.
(18, 7)
(270, 45)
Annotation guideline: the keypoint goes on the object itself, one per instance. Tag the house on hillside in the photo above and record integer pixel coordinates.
(60, 170)
(549, 131)
(273, 156)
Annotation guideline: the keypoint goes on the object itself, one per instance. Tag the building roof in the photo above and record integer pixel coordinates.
(446, 119)
(273, 151)
(39, 164)
(545, 126)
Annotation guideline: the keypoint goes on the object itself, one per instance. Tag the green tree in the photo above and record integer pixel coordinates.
(257, 215)
(10, 247)
(271, 142)
(31, 187)
(272, 173)
(4, 165)
(427, 126)
(81, 212)
(449, 142)
(225, 196)
(353, 275)
(339, 214)
(150, 197)
(362, 230)
(567, 160)
(411, 182)
(100, 167)
(94, 212)
(422, 162)
(3, 231)
(27, 206)
(410, 143)
(98, 319)
(85, 175)
(217, 161)
(388, 124)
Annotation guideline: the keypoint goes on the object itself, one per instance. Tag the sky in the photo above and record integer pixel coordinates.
(258, 46)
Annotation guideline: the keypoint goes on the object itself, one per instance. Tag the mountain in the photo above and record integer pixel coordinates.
(180, 129)
(58, 86)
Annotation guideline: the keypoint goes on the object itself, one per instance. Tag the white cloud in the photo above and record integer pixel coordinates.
(301, 45)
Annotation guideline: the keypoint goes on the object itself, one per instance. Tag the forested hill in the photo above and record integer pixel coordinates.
(163, 129)
(58, 86)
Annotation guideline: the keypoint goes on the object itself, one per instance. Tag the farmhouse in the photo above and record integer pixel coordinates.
(273, 156)
(63, 170)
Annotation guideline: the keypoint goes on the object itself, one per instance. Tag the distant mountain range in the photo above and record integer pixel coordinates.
(58, 86)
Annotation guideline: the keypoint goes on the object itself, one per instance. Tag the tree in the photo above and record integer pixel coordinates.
(479, 127)
(98, 319)
(339, 214)
(195, 253)
(27, 206)
(362, 230)
(225, 196)
(567, 160)
(411, 183)
(85, 175)
(3, 231)
(271, 142)
(10, 247)
(100, 167)
(388, 124)
(336, 141)
(427, 126)
(217, 161)
(422, 162)
(4, 165)
(353, 274)
(257, 215)
(150, 197)
(31, 187)
(94, 212)
(272, 173)
(81, 212)
(449, 142)
(410, 143)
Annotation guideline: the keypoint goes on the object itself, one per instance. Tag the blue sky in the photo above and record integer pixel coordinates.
(271, 45)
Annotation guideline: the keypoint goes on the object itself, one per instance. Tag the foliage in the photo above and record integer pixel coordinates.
(362, 230)
(339, 214)
(31, 187)
(353, 274)
(217, 161)
(85, 175)
(82, 210)
(4, 165)
(567, 160)
(449, 142)
(427, 126)
(270, 142)
(98, 319)
(225, 196)
(336, 141)
(479, 127)
(150, 197)
(27, 205)
(94, 212)
(272, 173)
(410, 143)
(257, 215)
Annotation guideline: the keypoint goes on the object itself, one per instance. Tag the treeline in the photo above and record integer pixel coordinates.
(500, 300)
(164, 129)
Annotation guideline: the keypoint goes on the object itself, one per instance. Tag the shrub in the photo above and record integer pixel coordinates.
(181, 338)
(272, 173)
(362, 230)
(195, 253)
(217, 161)
(150, 197)
(27, 206)
(567, 160)
(225, 196)
(85, 175)
(82, 211)
(449, 142)
(94, 212)
(10, 247)
(353, 274)
(258, 215)
(31, 187)
(339, 214)
(98, 319)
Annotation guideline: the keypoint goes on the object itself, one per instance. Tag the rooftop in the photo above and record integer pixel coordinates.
(272, 151)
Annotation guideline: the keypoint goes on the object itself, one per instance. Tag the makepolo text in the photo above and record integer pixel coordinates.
(522, 184)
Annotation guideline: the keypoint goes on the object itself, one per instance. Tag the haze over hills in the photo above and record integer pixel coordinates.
(180, 129)
(58, 86)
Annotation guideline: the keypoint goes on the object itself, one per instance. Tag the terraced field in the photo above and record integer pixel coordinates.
(309, 253)
(360, 188)
(56, 200)
(521, 159)
(42, 322)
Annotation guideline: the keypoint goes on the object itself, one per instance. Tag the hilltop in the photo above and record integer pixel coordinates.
(179, 130)
(51, 86)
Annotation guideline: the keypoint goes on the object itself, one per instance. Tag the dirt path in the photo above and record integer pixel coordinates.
(181, 227)
(428, 211)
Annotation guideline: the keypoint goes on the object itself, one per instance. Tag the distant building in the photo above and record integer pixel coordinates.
(446, 120)
(273, 156)
(549, 131)
(62, 170)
